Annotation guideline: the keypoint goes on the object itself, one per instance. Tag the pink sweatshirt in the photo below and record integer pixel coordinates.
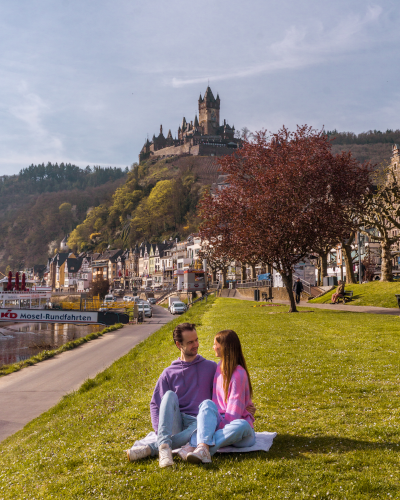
(238, 397)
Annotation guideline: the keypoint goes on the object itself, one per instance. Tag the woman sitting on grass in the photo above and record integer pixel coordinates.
(224, 421)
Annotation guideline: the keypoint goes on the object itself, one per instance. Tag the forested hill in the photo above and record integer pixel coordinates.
(43, 203)
(374, 146)
(157, 202)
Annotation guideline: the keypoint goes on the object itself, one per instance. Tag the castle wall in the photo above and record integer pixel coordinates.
(197, 150)
(211, 150)
(173, 150)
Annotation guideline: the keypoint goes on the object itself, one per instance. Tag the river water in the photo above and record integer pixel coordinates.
(20, 341)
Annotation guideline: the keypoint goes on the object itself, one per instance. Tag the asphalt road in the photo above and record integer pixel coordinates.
(24, 395)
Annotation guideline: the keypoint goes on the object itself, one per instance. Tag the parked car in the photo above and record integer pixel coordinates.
(128, 298)
(146, 309)
(152, 300)
(171, 300)
(177, 308)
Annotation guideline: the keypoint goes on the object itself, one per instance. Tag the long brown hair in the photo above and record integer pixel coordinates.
(231, 357)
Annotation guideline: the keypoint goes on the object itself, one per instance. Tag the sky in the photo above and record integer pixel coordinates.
(87, 81)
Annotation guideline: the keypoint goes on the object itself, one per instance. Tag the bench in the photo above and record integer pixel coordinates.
(265, 297)
(347, 296)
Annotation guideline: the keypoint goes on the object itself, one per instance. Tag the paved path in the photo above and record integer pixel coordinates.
(347, 307)
(26, 394)
(332, 307)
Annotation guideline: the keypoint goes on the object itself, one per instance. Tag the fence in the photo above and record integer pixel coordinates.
(306, 285)
(253, 283)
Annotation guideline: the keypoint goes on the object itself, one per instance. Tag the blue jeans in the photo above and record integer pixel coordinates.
(174, 427)
(238, 433)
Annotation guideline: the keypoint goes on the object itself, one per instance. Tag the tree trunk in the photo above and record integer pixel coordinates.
(319, 279)
(243, 272)
(348, 259)
(214, 275)
(224, 271)
(324, 265)
(288, 281)
(386, 269)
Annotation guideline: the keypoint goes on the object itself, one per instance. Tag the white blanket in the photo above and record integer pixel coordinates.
(263, 442)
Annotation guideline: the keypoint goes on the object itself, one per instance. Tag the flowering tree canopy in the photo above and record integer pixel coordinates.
(284, 195)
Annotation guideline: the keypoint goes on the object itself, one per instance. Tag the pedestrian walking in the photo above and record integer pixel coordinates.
(298, 288)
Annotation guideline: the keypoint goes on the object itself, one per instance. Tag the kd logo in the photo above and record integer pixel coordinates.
(9, 314)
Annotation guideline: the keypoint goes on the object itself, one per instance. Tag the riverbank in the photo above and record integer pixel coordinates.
(21, 341)
(326, 382)
(6, 369)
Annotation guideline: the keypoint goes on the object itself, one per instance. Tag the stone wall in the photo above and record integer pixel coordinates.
(211, 150)
(172, 151)
(277, 293)
(196, 150)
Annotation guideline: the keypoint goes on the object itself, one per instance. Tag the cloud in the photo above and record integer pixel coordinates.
(300, 47)
(31, 111)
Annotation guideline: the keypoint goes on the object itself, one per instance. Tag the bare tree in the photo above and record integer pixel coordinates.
(383, 214)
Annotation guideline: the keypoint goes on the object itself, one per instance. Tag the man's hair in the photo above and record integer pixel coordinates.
(179, 329)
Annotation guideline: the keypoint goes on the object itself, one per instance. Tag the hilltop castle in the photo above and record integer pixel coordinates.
(202, 137)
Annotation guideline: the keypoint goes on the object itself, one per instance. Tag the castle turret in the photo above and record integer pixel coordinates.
(209, 112)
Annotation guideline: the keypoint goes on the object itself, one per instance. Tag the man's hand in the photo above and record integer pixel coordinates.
(251, 409)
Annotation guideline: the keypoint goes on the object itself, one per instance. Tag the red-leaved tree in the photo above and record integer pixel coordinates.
(284, 194)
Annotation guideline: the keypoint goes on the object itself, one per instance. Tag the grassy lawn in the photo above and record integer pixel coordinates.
(375, 293)
(326, 381)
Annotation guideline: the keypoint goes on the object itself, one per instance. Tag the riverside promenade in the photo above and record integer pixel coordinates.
(26, 394)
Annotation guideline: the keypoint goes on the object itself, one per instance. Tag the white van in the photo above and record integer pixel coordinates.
(109, 299)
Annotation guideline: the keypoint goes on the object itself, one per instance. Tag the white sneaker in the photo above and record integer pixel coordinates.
(138, 452)
(165, 456)
(200, 454)
(183, 452)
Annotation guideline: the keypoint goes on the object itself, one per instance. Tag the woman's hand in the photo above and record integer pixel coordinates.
(251, 409)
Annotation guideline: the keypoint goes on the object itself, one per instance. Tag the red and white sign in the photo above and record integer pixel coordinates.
(48, 316)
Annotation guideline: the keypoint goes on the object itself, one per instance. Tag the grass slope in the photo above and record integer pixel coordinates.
(327, 382)
(374, 293)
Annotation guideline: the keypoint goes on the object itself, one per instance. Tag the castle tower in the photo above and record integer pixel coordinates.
(209, 113)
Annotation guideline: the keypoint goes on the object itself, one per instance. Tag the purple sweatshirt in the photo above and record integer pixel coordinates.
(192, 383)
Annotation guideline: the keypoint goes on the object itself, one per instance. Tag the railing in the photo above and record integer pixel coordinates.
(253, 283)
(166, 294)
(306, 285)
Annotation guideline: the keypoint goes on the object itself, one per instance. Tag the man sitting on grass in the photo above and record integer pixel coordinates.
(179, 391)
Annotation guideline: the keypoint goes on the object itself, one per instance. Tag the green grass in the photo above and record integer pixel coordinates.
(374, 293)
(326, 381)
(47, 354)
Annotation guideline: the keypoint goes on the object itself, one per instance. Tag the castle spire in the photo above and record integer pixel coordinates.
(209, 95)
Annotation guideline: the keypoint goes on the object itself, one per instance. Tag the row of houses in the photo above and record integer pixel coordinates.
(146, 265)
